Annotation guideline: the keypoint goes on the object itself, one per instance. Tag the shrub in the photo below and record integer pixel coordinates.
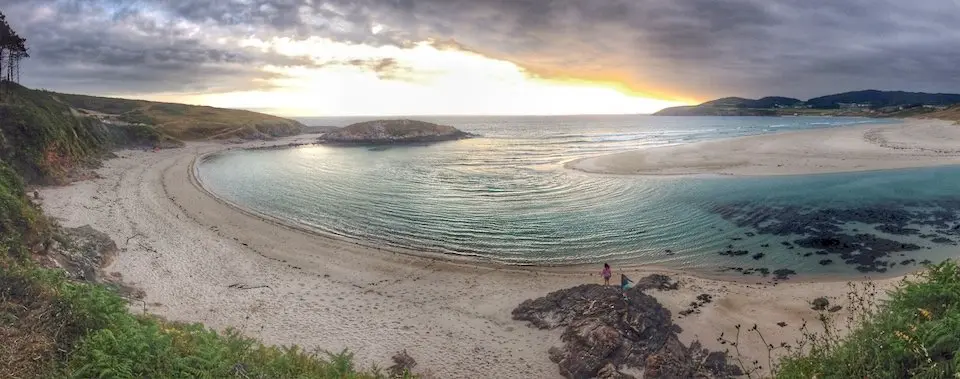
(916, 333)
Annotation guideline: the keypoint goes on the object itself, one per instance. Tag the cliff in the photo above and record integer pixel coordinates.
(393, 132)
(45, 140)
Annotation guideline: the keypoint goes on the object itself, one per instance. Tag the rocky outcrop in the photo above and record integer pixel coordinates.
(392, 132)
(608, 333)
(82, 251)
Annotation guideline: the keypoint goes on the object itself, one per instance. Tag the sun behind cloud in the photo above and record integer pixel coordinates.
(419, 79)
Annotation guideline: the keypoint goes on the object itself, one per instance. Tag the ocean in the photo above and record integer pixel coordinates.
(506, 197)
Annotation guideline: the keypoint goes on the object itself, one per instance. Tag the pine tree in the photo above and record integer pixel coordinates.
(13, 49)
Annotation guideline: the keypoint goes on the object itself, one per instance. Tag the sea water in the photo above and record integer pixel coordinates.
(506, 197)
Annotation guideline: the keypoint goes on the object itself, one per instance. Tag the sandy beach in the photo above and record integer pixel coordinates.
(188, 251)
(914, 143)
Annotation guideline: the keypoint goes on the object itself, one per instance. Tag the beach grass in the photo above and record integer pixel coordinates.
(915, 333)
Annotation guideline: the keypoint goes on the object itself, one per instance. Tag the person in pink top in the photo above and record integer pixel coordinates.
(606, 274)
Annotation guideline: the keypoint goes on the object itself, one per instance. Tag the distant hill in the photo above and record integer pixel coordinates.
(710, 110)
(877, 99)
(185, 122)
(393, 131)
(766, 102)
(868, 103)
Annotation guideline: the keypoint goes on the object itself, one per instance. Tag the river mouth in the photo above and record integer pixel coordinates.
(510, 200)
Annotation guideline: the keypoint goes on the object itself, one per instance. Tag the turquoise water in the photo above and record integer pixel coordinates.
(507, 197)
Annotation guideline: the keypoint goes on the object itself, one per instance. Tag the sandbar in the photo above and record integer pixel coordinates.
(912, 143)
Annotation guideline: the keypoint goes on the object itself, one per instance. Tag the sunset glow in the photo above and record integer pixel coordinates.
(352, 79)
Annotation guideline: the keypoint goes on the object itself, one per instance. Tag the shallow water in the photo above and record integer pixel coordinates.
(506, 197)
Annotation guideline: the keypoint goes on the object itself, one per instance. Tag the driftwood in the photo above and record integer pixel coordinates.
(241, 286)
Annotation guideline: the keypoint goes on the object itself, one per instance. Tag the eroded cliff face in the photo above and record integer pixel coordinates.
(46, 141)
(393, 131)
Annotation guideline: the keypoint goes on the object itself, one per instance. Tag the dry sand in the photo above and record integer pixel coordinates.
(185, 248)
(915, 143)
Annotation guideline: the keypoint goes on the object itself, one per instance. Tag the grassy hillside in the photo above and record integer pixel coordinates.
(185, 122)
(393, 131)
(44, 140)
(869, 103)
(877, 99)
(766, 102)
(916, 334)
(952, 113)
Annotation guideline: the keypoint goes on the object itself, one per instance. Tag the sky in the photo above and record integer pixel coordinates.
(485, 57)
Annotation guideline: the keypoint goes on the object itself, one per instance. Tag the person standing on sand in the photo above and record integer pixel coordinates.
(606, 274)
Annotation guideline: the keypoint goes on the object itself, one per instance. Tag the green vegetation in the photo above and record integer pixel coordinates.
(54, 327)
(185, 122)
(44, 140)
(13, 49)
(916, 333)
(951, 113)
(393, 131)
(878, 99)
(766, 102)
(869, 103)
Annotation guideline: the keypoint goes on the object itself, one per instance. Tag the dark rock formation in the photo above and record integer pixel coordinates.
(385, 132)
(734, 253)
(897, 229)
(607, 330)
(702, 300)
(942, 240)
(656, 282)
(820, 303)
(826, 229)
(783, 273)
(865, 251)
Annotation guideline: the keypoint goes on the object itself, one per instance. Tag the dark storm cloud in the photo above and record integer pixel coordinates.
(701, 48)
(706, 47)
(115, 48)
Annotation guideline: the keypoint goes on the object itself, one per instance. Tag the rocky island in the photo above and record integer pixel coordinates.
(382, 132)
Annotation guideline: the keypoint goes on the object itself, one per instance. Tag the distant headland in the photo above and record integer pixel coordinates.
(382, 132)
(868, 103)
